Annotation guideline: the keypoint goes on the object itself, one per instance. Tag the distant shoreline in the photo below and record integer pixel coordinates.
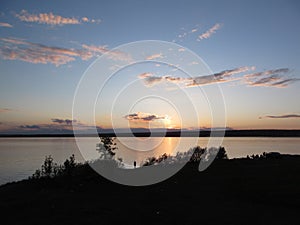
(228, 133)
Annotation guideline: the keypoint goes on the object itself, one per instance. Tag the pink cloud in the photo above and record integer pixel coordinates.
(144, 117)
(17, 49)
(113, 54)
(154, 56)
(3, 110)
(209, 32)
(46, 18)
(284, 116)
(85, 19)
(5, 25)
(223, 76)
(270, 78)
(52, 19)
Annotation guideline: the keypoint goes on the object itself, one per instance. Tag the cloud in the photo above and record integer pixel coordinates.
(87, 20)
(143, 117)
(154, 56)
(112, 54)
(52, 19)
(60, 126)
(5, 25)
(209, 32)
(174, 79)
(268, 72)
(186, 32)
(46, 18)
(285, 116)
(145, 75)
(270, 78)
(193, 63)
(18, 49)
(63, 121)
(149, 79)
(3, 110)
(35, 127)
(224, 76)
(221, 77)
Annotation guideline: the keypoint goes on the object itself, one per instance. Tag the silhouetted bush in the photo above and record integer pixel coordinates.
(153, 160)
(193, 155)
(198, 152)
(265, 155)
(69, 165)
(222, 153)
(49, 169)
(107, 147)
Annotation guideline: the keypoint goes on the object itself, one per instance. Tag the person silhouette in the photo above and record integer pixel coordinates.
(134, 164)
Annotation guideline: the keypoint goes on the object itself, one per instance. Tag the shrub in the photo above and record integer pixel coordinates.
(49, 169)
(107, 148)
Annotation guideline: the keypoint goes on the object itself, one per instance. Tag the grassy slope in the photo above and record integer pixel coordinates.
(228, 192)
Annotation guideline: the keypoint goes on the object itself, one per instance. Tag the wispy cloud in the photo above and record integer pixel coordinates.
(52, 19)
(193, 63)
(87, 20)
(56, 126)
(5, 25)
(18, 49)
(143, 117)
(63, 121)
(154, 56)
(270, 78)
(285, 116)
(149, 79)
(186, 32)
(3, 110)
(209, 32)
(113, 54)
(221, 77)
(224, 76)
(30, 127)
(267, 72)
(14, 49)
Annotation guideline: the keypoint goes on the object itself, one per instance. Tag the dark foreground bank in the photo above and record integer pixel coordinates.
(238, 191)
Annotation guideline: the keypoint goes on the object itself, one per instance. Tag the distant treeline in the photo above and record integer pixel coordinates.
(205, 133)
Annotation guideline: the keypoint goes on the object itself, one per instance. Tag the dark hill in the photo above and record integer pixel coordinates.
(238, 191)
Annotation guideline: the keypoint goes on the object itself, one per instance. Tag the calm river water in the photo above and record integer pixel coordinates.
(20, 157)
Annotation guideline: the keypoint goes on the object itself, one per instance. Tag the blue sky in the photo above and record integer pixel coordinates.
(47, 46)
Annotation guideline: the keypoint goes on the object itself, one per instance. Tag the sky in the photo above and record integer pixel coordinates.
(249, 62)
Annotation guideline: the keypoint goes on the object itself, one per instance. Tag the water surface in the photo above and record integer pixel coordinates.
(20, 157)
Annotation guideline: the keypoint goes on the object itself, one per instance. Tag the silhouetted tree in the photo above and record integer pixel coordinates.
(69, 165)
(153, 160)
(192, 155)
(222, 153)
(198, 152)
(107, 147)
(49, 168)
